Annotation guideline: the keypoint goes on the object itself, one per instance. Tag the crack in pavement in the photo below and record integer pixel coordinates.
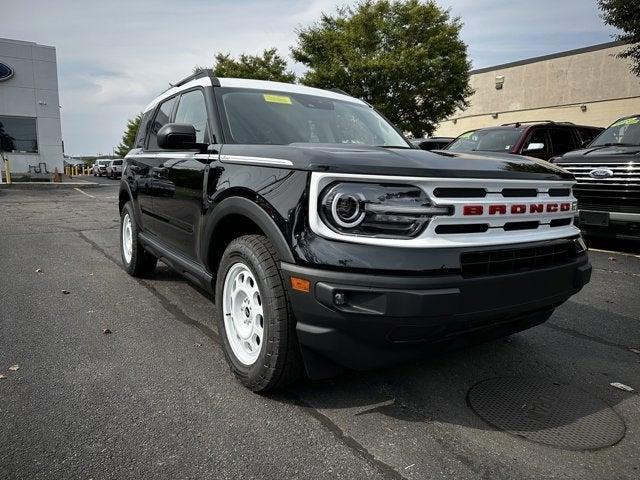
(583, 336)
(351, 443)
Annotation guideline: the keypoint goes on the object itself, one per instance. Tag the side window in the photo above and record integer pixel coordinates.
(537, 143)
(587, 135)
(161, 119)
(192, 110)
(143, 129)
(562, 140)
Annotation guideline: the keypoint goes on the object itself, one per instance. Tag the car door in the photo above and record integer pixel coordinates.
(537, 144)
(143, 164)
(178, 200)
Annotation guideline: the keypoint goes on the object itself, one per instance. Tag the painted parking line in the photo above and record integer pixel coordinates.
(612, 251)
(83, 192)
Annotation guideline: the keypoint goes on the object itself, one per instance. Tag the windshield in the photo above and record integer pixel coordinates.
(623, 132)
(495, 140)
(275, 118)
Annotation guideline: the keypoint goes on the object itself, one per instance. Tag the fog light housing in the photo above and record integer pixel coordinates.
(580, 245)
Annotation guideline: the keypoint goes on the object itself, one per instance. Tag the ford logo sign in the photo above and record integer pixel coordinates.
(601, 173)
(6, 72)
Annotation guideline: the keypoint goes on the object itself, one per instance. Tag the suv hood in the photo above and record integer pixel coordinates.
(360, 159)
(611, 154)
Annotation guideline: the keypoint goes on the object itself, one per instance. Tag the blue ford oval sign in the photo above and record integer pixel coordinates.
(6, 72)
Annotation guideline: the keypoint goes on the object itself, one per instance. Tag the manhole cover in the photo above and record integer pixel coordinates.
(546, 412)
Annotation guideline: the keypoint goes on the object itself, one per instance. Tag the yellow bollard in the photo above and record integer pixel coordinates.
(7, 171)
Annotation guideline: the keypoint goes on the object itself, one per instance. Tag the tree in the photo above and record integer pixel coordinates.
(268, 66)
(404, 57)
(625, 15)
(129, 136)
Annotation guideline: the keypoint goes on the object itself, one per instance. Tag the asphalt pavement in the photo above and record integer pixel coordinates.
(154, 398)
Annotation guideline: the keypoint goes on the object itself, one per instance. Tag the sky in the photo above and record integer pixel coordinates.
(114, 56)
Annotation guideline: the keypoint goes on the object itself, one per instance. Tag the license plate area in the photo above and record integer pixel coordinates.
(598, 219)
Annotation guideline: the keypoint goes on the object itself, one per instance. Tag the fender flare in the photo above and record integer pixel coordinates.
(242, 206)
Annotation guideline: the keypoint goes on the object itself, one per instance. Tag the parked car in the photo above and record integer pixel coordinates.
(114, 169)
(327, 241)
(100, 167)
(432, 143)
(534, 139)
(608, 175)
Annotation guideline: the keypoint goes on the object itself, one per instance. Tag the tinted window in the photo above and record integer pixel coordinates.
(143, 129)
(494, 140)
(625, 131)
(537, 142)
(562, 140)
(117, 162)
(588, 134)
(18, 134)
(274, 118)
(161, 119)
(192, 110)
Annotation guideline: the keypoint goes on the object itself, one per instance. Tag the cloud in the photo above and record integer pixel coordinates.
(115, 56)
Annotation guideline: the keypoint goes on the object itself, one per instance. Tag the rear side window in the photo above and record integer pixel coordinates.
(192, 110)
(161, 119)
(588, 134)
(143, 128)
(562, 140)
(117, 162)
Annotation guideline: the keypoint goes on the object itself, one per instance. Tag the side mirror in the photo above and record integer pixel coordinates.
(534, 147)
(178, 136)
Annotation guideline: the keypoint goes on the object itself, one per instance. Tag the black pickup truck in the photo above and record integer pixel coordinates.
(608, 175)
(328, 241)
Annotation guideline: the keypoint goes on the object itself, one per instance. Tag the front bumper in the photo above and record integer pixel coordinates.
(619, 225)
(388, 319)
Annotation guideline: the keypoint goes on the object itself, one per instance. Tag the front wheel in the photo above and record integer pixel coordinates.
(136, 261)
(254, 317)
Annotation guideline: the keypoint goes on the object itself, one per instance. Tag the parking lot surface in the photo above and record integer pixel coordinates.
(154, 398)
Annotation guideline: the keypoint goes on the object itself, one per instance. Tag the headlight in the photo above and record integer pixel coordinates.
(377, 210)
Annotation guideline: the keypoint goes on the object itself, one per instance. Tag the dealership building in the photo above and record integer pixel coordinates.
(30, 133)
(588, 86)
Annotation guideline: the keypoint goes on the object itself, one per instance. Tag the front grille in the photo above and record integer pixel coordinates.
(618, 193)
(516, 260)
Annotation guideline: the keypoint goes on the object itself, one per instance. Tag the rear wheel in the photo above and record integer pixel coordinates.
(136, 261)
(254, 317)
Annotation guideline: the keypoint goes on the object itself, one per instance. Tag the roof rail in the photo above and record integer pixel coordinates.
(201, 73)
(517, 124)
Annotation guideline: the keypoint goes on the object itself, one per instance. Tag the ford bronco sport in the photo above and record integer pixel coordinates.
(328, 241)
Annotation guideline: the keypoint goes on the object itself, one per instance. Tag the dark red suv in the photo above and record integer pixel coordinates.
(542, 139)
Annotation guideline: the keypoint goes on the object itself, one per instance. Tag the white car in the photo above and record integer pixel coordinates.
(100, 167)
(114, 169)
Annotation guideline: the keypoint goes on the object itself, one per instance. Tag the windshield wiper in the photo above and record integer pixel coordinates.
(394, 146)
(616, 145)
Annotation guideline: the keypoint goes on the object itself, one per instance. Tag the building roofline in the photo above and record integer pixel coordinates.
(542, 58)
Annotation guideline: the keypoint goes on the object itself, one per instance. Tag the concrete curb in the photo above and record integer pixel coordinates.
(48, 185)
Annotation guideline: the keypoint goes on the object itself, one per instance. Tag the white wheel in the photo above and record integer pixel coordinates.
(127, 238)
(243, 314)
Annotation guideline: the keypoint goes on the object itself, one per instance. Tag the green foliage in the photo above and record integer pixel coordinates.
(129, 136)
(625, 15)
(268, 66)
(405, 57)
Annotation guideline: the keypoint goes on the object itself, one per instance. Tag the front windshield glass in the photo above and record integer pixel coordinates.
(623, 132)
(495, 140)
(276, 118)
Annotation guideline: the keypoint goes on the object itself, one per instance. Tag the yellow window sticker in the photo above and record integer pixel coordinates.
(627, 121)
(271, 98)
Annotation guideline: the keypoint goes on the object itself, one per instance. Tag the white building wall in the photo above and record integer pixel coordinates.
(33, 92)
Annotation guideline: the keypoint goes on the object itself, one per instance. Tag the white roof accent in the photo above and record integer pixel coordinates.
(255, 84)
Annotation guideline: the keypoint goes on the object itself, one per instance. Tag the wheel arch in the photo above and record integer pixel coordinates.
(236, 216)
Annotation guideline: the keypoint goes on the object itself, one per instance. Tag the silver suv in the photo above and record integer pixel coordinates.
(114, 169)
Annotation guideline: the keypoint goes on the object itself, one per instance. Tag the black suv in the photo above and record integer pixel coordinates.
(327, 240)
(608, 174)
(539, 139)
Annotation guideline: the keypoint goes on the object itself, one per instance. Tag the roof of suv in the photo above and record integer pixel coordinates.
(206, 81)
(535, 123)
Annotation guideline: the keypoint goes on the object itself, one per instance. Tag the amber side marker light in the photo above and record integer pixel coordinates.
(300, 284)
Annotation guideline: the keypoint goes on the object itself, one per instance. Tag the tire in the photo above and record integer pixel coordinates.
(137, 262)
(278, 361)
